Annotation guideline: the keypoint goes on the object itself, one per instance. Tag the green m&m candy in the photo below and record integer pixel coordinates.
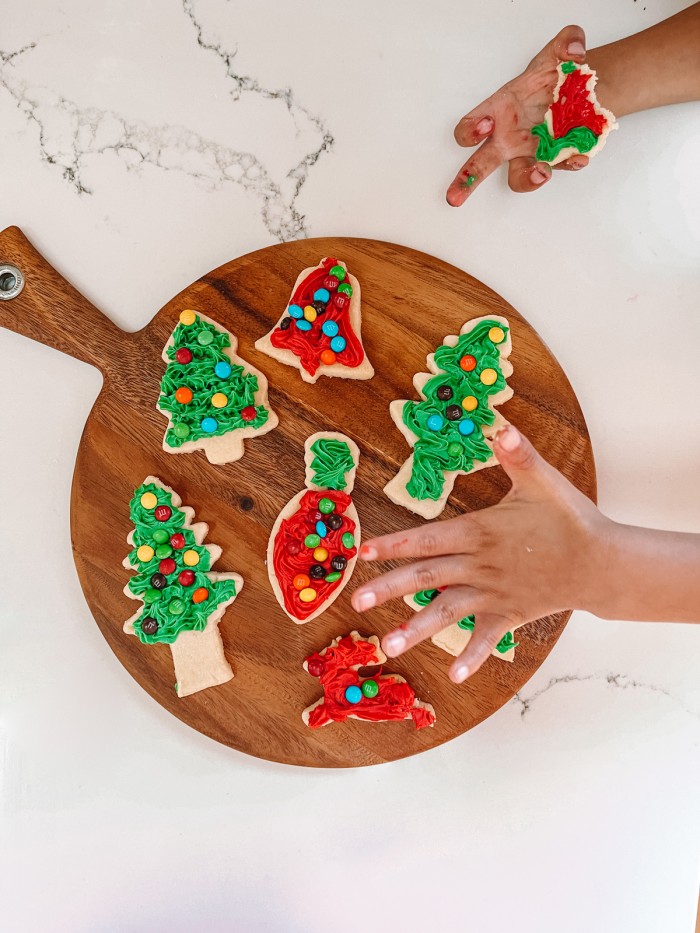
(204, 338)
(345, 289)
(176, 607)
(163, 551)
(348, 540)
(333, 577)
(151, 595)
(312, 541)
(160, 535)
(326, 506)
(181, 430)
(454, 449)
(370, 688)
(338, 272)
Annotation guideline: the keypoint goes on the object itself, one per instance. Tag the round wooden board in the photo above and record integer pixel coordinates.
(410, 301)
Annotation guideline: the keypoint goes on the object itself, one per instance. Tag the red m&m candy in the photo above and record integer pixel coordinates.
(330, 282)
(316, 667)
(248, 413)
(293, 548)
(167, 565)
(186, 577)
(340, 301)
(178, 541)
(163, 513)
(183, 355)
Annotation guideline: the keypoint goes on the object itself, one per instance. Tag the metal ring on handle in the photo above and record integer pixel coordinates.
(11, 282)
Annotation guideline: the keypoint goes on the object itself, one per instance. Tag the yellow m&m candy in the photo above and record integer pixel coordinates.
(488, 377)
(470, 403)
(149, 500)
(497, 335)
(307, 595)
(145, 553)
(190, 558)
(320, 554)
(187, 317)
(310, 313)
(219, 400)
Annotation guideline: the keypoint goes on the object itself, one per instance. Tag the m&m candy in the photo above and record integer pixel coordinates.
(310, 313)
(149, 625)
(301, 581)
(334, 521)
(186, 577)
(444, 393)
(209, 425)
(307, 595)
(470, 403)
(329, 328)
(222, 370)
(317, 572)
(190, 558)
(183, 395)
(353, 694)
(434, 422)
(149, 500)
(200, 595)
(315, 667)
(338, 344)
(320, 554)
(468, 363)
(151, 595)
(466, 427)
(293, 548)
(248, 413)
(304, 324)
(181, 430)
(187, 317)
(330, 281)
(333, 577)
(339, 562)
(370, 688)
(295, 311)
(145, 553)
(338, 272)
(453, 412)
(176, 607)
(340, 301)
(488, 376)
(497, 335)
(321, 529)
(160, 535)
(158, 581)
(312, 540)
(326, 505)
(322, 294)
(163, 551)
(167, 566)
(184, 356)
(327, 357)
(345, 289)
(163, 513)
(177, 540)
(204, 338)
(454, 449)
(348, 540)
(219, 400)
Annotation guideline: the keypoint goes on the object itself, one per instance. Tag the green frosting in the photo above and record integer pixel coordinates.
(199, 376)
(505, 644)
(157, 602)
(332, 461)
(447, 450)
(548, 148)
(568, 67)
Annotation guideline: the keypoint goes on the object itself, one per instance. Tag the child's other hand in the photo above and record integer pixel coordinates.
(538, 551)
(503, 123)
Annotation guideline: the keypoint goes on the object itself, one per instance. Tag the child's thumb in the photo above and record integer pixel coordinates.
(519, 458)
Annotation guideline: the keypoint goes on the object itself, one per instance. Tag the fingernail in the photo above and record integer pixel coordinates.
(575, 48)
(485, 125)
(537, 176)
(367, 552)
(460, 673)
(366, 601)
(509, 438)
(576, 166)
(394, 643)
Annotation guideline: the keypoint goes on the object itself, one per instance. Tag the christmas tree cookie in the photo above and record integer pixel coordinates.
(319, 332)
(212, 398)
(455, 638)
(451, 428)
(183, 600)
(575, 123)
(314, 543)
(354, 687)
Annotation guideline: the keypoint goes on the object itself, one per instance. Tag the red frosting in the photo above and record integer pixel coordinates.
(291, 556)
(395, 698)
(573, 108)
(309, 344)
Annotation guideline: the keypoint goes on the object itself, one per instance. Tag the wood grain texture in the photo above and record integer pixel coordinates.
(410, 302)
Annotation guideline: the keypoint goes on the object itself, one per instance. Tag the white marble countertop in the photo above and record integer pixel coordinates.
(144, 144)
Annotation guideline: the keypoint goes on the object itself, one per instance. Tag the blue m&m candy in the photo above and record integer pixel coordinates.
(329, 328)
(295, 311)
(209, 425)
(435, 422)
(222, 370)
(338, 344)
(321, 529)
(322, 294)
(353, 694)
(466, 427)
(304, 324)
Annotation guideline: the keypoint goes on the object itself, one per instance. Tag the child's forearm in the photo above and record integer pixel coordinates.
(647, 575)
(652, 68)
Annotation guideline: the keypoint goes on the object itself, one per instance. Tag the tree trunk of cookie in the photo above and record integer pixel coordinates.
(199, 661)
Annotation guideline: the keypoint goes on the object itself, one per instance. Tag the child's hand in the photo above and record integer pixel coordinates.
(503, 123)
(538, 551)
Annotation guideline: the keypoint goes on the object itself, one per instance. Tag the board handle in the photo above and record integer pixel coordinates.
(47, 308)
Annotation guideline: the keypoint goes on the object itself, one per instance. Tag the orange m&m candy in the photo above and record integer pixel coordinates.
(328, 357)
(468, 363)
(301, 581)
(183, 395)
(200, 594)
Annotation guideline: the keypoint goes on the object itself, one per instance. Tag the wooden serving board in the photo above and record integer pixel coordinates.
(410, 301)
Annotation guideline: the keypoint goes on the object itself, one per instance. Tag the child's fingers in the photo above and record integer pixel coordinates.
(485, 160)
(476, 126)
(454, 604)
(527, 174)
(568, 45)
(412, 578)
(486, 635)
(573, 164)
(431, 540)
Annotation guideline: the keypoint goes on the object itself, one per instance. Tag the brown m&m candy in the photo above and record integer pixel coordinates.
(163, 513)
(339, 562)
(149, 626)
(334, 521)
(444, 393)
(317, 572)
(453, 412)
(158, 581)
(285, 323)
